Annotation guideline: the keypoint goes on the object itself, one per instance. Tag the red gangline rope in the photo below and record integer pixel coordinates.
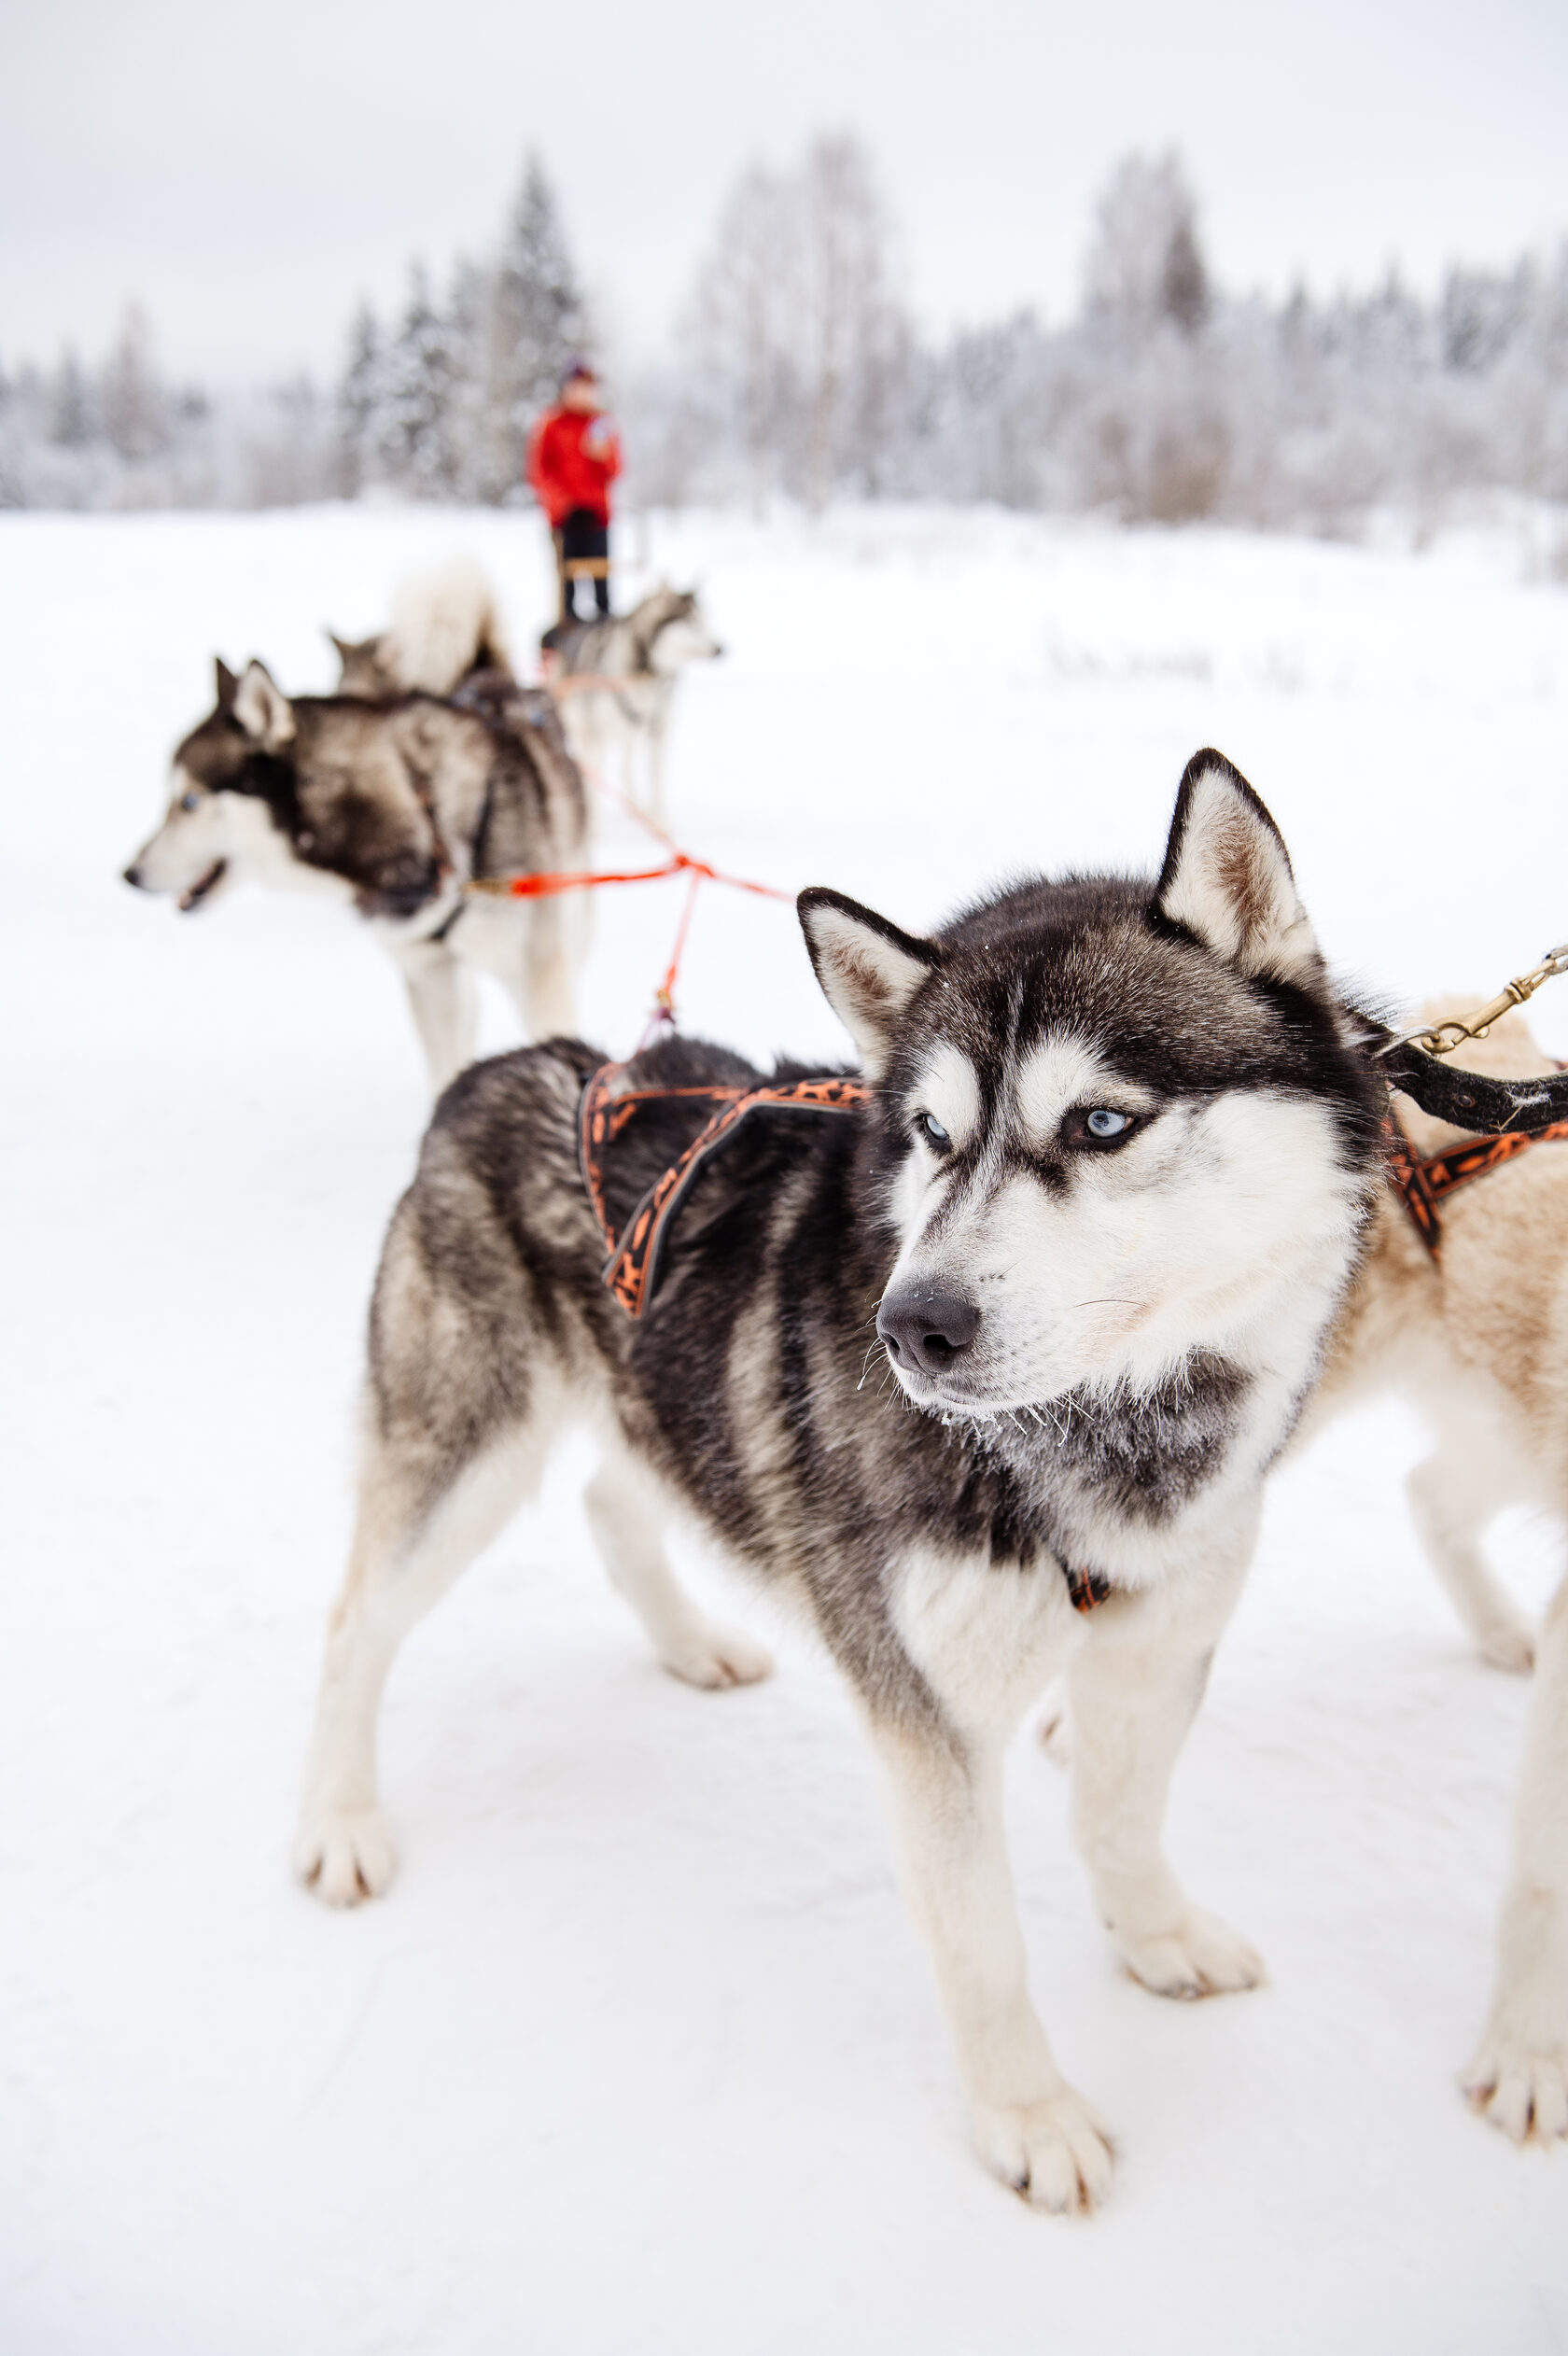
(680, 862)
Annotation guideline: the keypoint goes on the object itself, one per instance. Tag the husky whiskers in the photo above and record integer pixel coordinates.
(390, 807)
(644, 654)
(1103, 1203)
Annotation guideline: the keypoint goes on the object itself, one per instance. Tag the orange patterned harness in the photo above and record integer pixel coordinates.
(631, 1269)
(1422, 1185)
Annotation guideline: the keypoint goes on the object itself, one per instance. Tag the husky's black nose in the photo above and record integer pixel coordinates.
(133, 876)
(925, 1329)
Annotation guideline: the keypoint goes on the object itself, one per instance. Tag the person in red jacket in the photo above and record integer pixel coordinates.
(573, 459)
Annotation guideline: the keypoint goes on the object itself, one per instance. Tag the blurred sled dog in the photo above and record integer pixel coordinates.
(446, 630)
(392, 808)
(1480, 1344)
(1094, 1217)
(643, 653)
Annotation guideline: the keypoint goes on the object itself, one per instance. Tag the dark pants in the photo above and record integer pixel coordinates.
(582, 553)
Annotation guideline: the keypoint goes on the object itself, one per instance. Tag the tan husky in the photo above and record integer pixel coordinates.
(1478, 1341)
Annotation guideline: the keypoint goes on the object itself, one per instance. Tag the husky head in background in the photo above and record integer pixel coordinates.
(392, 808)
(639, 659)
(671, 631)
(236, 813)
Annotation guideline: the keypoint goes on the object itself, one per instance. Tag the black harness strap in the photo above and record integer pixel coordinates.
(1469, 1100)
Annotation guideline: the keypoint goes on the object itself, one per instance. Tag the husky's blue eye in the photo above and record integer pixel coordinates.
(190, 801)
(932, 1131)
(1102, 1122)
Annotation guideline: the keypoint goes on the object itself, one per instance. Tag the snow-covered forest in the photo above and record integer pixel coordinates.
(796, 369)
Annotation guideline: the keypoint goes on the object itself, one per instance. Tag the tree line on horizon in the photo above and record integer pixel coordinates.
(795, 371)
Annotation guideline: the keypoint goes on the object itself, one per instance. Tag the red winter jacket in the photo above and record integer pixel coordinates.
(573, 459)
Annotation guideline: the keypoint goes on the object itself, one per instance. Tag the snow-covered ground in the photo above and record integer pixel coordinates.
(639, 2053)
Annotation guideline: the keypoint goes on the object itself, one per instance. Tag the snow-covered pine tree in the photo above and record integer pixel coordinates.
(538, 318)
(134, 403)
(359, 400)
(411, 415)
(1144, 266)
(70, 407)
(468, 343)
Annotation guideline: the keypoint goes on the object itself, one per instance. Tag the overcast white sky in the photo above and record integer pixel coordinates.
(249, 173)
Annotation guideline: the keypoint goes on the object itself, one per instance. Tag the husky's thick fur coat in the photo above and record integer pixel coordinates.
(1479, 1345)
(392, 808)
(644, 653)
(446, 625)
(1098, 1213)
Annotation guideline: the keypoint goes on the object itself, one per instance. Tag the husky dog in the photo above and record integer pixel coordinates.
(644, 654)
(1480, 1344)
(1096, 1217)
(445, 627)
(392, 808)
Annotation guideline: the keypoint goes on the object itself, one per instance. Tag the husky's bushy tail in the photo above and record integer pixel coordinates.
(445, 624)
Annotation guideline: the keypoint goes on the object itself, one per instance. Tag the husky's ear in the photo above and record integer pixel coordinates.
(868, 969)
(1227, 875)
(227, 683)
(341, 648)
(262, 708)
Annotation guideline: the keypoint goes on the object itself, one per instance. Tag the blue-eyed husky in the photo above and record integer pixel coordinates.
(1109, 1182)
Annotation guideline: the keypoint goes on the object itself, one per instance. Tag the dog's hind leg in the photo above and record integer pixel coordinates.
(625, 1514)
(442, 1002)
(1520, 2077)
(403, 1559)
(1452, 1496)
(1131, 1710)
(944, 1802)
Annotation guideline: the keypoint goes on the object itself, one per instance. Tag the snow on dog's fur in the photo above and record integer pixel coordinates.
(1480, 1348)
(391, 808)
(1096, 1221)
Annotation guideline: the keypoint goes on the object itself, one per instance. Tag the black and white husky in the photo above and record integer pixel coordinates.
(392, 808)
(644, 654)
(1098, 1210)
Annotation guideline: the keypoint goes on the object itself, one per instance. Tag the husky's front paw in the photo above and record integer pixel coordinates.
(343, 1855)
(1201, 1956)
(1519, 2089)
(1055, 2153)
(712, 1655)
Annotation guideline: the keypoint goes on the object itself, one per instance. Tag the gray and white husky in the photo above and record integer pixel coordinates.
(391, 808)
(1096, 1216)
(644, 653)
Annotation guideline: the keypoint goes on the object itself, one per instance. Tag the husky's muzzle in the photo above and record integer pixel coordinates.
(194, 893)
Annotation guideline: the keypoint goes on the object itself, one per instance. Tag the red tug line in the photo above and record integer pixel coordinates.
(680, 862)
